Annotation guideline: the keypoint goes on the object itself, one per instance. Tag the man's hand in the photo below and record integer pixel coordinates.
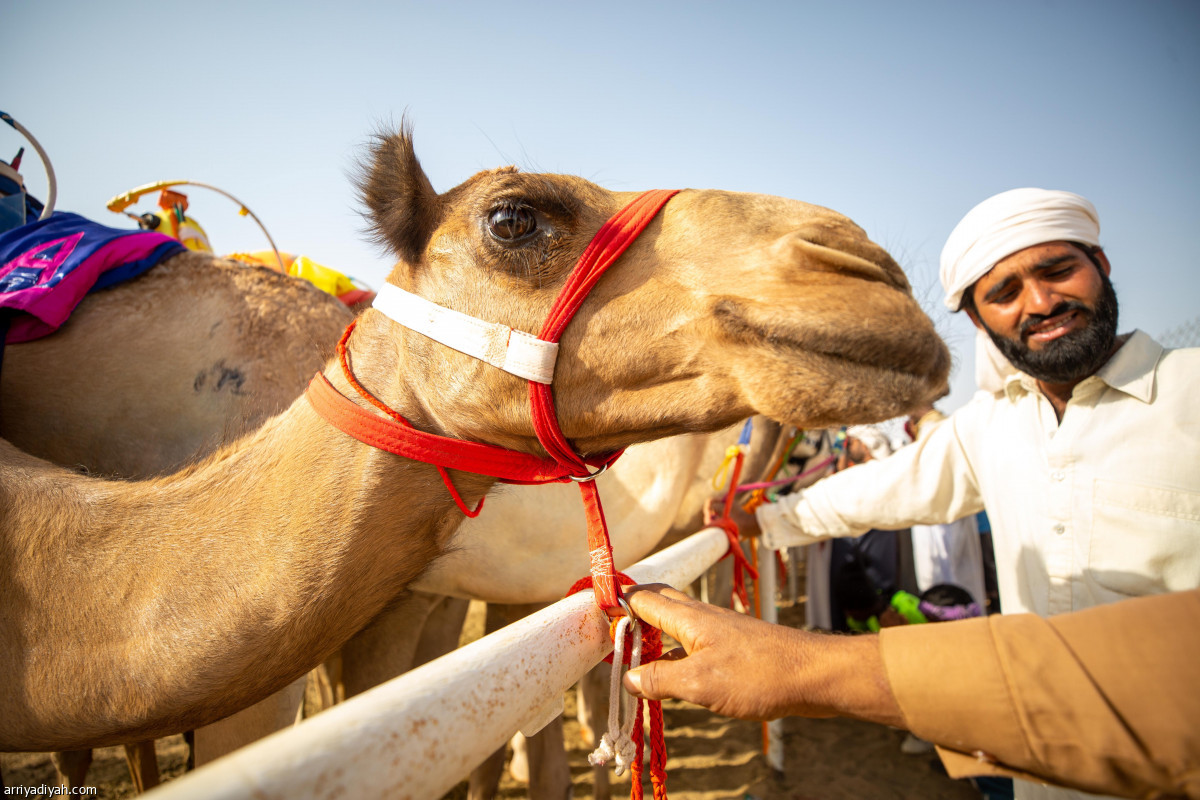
(742, 667)
(747, 523)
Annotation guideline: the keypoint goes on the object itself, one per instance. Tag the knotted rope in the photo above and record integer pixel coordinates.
(758, 491)
(634, 643)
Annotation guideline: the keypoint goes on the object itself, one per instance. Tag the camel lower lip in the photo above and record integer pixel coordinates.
(830, 390)
(866, 354)
(905, 364)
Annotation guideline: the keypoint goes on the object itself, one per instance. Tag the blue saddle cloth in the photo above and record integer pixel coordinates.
(47, 267)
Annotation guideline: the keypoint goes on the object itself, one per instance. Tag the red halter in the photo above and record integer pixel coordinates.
(397, 436)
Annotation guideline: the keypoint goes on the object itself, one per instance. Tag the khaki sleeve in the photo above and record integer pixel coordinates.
(1106, 700)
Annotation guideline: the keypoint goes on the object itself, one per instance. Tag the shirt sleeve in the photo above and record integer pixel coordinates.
(1105, 700)
(927, 482)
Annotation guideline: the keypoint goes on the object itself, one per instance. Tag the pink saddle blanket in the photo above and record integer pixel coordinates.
(47, 267)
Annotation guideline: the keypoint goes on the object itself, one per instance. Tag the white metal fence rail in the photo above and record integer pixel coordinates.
(416, 736)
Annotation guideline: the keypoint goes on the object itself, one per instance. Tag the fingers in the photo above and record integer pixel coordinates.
(712, 509)
(661, 606)
(646, 682)
(674, 654)
(674, 613)
(632, 681)
(722, 648)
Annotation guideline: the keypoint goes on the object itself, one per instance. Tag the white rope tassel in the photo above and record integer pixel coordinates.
(618, 741)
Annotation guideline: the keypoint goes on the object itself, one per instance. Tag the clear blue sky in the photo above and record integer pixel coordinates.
(901, 115)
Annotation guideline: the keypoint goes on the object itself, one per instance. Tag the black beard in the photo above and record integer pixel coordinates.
(1071, 357)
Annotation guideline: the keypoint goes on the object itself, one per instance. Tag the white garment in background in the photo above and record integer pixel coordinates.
(818, 611)
(950, 553)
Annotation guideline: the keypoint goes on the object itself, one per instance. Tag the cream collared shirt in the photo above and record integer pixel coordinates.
(1102, 506)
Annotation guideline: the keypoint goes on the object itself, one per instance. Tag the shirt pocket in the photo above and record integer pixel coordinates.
(1145, 539)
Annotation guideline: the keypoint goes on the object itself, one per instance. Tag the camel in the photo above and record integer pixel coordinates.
(172, 602)
(216, 367)
(655, 486)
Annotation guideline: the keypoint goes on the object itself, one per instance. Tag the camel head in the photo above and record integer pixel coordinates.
(727, 305)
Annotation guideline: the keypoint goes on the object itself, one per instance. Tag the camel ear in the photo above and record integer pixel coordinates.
(402, 206)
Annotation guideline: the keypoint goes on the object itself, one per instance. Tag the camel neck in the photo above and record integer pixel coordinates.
(214, 587)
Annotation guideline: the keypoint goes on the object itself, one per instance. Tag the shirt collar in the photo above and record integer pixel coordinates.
(1131, 370)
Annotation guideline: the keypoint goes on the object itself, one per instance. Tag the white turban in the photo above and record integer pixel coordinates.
(995, 229)
(1006, 223)
(872, 438)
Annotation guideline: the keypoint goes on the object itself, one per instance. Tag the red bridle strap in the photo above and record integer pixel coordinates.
(605, 248)
(396, 437)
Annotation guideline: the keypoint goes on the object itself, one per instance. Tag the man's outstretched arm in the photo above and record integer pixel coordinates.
(742, 667)
(1105, 700)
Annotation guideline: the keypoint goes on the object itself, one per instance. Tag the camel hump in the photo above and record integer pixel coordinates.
(213, 347)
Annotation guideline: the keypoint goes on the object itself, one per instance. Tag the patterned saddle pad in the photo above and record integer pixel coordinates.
(47, 267)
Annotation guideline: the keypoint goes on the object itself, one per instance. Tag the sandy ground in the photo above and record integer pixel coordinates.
(709, 758)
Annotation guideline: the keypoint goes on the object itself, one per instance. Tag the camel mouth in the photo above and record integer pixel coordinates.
(896, 352)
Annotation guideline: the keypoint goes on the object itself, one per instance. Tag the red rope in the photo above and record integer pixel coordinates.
(395, 415)
(510, 466)
(741, 566)
(651, 650)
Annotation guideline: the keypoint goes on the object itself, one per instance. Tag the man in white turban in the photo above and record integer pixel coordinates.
(1084, 449)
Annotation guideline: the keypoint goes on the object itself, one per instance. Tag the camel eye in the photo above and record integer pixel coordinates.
(512, 223)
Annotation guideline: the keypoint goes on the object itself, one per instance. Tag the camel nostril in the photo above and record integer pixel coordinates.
(875, 264)
(845, 250)
(894, 273)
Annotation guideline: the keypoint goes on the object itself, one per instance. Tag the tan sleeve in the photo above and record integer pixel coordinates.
(1106, 700)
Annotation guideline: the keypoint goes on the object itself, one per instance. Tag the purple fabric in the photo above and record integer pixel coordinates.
(47, 267)
(935, 613)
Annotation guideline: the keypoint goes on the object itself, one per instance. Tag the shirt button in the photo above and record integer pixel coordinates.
(1058, 476)
(1059, 528)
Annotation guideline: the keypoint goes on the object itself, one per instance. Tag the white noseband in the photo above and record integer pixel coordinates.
(516, 352)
